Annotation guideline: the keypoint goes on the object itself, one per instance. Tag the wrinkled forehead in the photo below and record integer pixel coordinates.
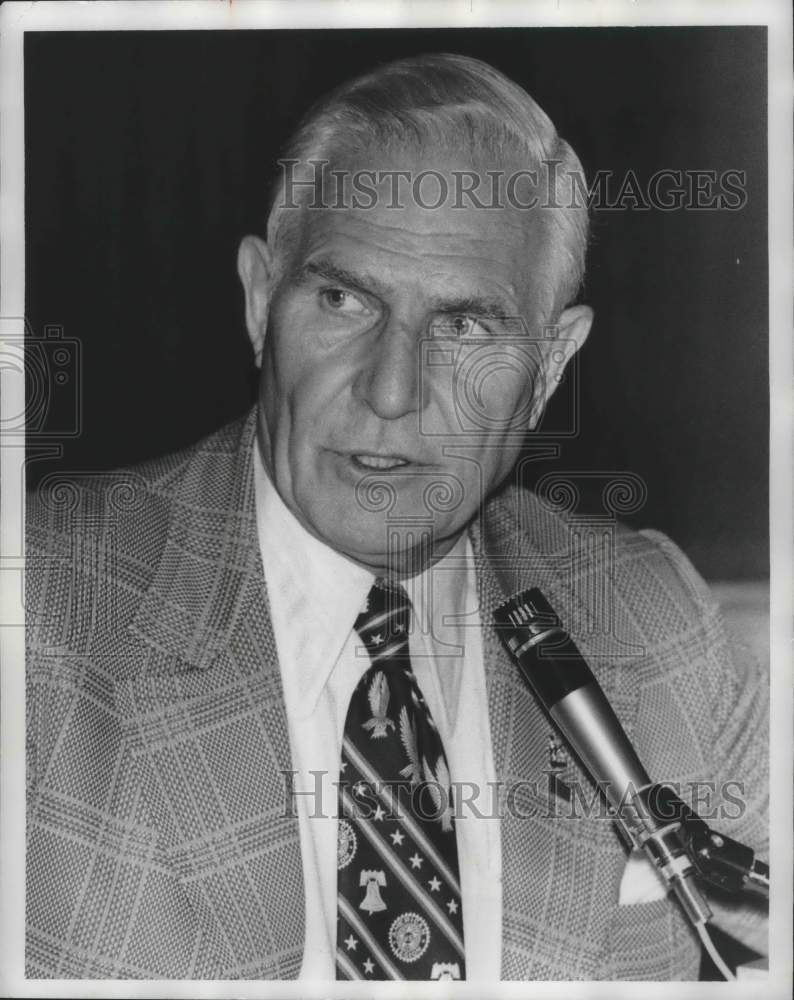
(486, 214)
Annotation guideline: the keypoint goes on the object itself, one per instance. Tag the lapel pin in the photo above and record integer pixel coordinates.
(558, 758)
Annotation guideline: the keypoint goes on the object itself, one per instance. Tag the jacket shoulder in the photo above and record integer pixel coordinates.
(95, 539)
(641, 569)
(68, 502)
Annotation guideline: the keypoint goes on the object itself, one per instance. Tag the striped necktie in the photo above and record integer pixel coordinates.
(399, 910)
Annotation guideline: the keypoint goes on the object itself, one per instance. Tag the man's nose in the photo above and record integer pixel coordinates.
(389, 380)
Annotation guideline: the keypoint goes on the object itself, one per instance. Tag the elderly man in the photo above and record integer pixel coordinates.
(272, 731)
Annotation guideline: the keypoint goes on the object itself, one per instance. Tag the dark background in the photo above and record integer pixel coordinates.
(150, 154)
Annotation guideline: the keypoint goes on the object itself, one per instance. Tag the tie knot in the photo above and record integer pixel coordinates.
(385, 622)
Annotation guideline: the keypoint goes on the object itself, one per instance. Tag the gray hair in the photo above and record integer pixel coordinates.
(454, 103)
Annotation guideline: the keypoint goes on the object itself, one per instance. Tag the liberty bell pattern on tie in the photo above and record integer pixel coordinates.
(399, 909)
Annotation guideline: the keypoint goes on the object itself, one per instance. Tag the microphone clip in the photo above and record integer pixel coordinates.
(717, 858)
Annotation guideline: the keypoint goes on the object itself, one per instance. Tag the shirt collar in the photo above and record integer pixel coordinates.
(314, 594)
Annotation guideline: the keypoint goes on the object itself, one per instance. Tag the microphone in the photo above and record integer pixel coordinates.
(558, 675)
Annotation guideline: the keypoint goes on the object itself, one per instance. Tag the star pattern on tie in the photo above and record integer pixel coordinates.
(399, 902)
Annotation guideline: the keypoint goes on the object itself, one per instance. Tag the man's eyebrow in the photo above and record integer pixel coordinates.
(474, 304)
(330, 271)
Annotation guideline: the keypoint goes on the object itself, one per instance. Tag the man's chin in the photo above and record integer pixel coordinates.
(408, 550)
(383, 525)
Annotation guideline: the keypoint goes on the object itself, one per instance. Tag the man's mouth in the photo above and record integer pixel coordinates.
(379, 463)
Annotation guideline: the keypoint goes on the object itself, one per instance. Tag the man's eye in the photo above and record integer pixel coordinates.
(338, 300)
(459, 326)
(463, 325)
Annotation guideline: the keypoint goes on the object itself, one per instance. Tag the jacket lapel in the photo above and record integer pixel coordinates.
(554, 866)
(206, 577)
(509, 560)
(216, 740)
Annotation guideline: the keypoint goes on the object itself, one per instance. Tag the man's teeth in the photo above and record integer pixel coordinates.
(379, 462)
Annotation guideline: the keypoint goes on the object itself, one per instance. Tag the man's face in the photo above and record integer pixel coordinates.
(400, 365)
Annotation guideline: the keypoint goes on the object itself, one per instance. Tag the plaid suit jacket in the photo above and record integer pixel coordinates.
(160, 838)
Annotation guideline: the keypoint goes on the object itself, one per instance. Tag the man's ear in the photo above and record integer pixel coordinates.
(255, 267)
(571, 332)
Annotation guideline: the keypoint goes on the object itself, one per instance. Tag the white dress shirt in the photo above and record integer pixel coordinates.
(315, 595)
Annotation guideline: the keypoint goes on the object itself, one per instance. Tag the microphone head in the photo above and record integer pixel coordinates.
(546, 656)
(528, 609)
(525, 620)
